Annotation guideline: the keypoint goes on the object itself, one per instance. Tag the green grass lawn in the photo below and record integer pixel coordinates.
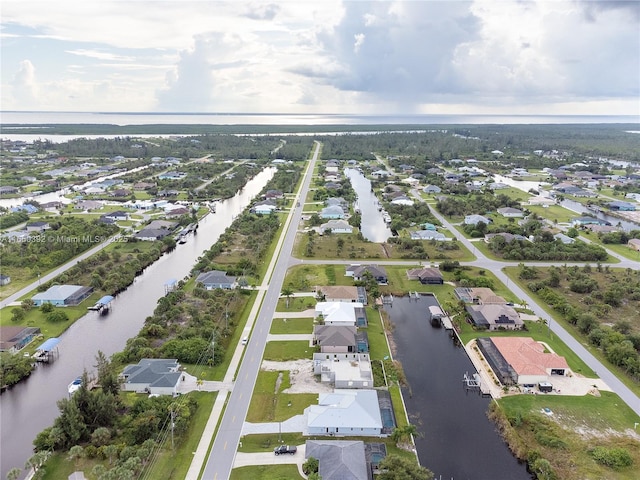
(267, 405)
(304, 278)
(284, 351)
(296, 304)
(266, 472)
(291, 325)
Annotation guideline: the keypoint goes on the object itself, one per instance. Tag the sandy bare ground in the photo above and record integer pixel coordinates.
(300, 374)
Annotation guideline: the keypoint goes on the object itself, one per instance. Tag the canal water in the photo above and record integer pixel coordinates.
(30, 406)
(458, 440)
(373, 227)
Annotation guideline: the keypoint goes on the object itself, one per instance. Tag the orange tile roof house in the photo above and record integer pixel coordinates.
(526, 358)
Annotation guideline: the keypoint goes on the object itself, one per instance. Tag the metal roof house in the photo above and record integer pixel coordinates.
(339, 459)
(341, 313)
(344, 413)
(336, 226)
(333, 211)
(217, 279)
(158, 376)
(62, 295)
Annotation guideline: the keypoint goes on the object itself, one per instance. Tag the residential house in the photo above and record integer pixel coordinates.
(431, 189)
(332, 186)
(380, 174)
(402, 200)
(339, 459)
(152, 234)
(88, 205)
(581, 221)
(263, 209)
(336, 226)
(565, 239)
(335, 338)
(332, 212)
(358, 272)
(344, 370)
(25, 207)
(273, 194)
(15, 338)
(217, 279)
(337, 201)
(509, 212)
(117, 216)
(508, 237)
(62, 295)
(426, 275)
(634, 243)
(349, 294)
(476, 219)
(540, 200)
(38, 226)
(494, 317)
(619, 206)
(345, 412)
(479, 296)
(177, 212)
(8, 190)
(429, 235)
(341, 313)
(157, 376)
(521, 360)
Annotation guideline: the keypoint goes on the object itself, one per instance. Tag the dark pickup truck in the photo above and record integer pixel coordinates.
(282, 449)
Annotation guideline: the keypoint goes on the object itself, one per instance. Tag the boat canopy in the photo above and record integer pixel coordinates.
(105, 300)
(49, 344)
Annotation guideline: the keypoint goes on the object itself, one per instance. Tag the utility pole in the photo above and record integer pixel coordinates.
(172, 427)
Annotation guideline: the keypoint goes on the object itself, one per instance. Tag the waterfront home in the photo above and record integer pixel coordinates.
(479, 296)
(335, 338)
(339, 459)
(14, 338)
(157, 376)
(581, 221)
(336, 226)
(152, 234)
(332, 212)
(341, 313)
(217, 279)
(273, 194)
(522, 360)
(426, 275)
(338, 201)
(619, 206)
(342, 293)
(494, 317)
(62, 295)
(402, 200)
(358, 273)
(540, 200)
(344, 370)
(8, 190)
(264, 209)
(345, 412)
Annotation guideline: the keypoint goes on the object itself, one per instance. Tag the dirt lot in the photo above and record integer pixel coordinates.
(300, 374)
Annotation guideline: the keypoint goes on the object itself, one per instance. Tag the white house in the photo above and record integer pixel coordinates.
(402, 200)
(345, 413)
(344, 370)
(336, 226)
(429, 235)
(264, 209)
(338, 313)
(476, 219)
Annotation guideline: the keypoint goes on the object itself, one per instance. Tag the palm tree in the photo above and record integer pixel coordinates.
(403, 434)
(287, 292)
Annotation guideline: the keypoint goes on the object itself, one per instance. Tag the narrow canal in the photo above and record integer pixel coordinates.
(30, 406)
(373, 227)
(457, 439)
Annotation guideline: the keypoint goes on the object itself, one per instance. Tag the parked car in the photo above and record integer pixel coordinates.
(245, 340)
(282, 449)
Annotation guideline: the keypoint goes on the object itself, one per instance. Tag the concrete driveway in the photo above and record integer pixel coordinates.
(244, 459)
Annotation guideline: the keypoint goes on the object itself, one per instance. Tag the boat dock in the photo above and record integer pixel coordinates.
(474, 382)
(48, 351)
(103, 305)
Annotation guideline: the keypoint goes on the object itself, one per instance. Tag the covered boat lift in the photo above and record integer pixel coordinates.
(103, 305)
(47, 352)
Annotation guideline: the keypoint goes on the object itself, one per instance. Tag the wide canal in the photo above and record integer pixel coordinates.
(372, 225)
(30, 406)
(457, 440)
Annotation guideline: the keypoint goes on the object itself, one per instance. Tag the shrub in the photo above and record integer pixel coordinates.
(615, 458)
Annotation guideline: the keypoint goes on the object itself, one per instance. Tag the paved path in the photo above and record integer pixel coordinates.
(289, 337)
(244, 459)
(295, 424)
(304, 314)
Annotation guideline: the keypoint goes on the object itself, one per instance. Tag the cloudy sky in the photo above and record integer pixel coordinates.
(322, 56)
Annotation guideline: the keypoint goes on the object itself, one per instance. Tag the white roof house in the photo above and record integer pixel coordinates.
(338, 313)
(402, 200)
(332, 211)
(345, 412)
(475, 219)
(336, 226)
(344, 370)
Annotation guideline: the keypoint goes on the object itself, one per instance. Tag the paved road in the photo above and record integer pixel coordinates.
(221, 459)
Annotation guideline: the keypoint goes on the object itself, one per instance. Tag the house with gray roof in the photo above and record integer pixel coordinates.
(159, 376)
(476, 219)
(510, 212)
(358, 271)
(429, 235)
(335, 338)
(336, 226)
(339, 459)
(345, 412)
(494, 317)
(432, 189)
(332, 212)
(217, 279)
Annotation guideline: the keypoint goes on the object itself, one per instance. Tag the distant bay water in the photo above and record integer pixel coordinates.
(12, 122)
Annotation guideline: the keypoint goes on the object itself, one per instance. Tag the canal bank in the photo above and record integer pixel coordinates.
(30, 407)
(456, 438)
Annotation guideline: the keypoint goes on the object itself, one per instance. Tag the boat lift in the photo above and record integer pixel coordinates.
(48, 351)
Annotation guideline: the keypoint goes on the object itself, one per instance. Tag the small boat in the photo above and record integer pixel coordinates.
(75, 385)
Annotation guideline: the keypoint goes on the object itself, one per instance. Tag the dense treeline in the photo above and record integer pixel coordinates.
(601, 303)
(546, 248)
(13, 368)
(68, 237)
(13, 218)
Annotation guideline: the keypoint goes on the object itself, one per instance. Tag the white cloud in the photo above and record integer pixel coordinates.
(24, 84)
(99, 55)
